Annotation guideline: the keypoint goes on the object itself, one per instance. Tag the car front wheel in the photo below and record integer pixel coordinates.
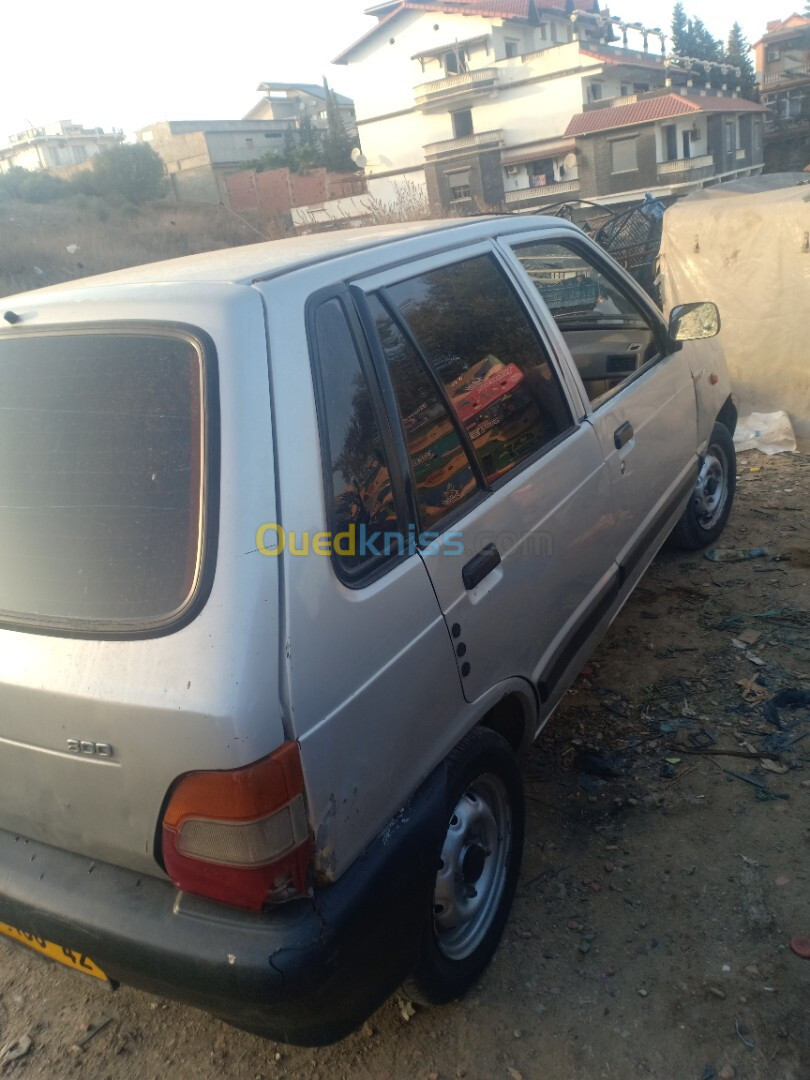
(708, 511)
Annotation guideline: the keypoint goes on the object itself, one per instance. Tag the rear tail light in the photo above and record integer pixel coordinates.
(241, 836)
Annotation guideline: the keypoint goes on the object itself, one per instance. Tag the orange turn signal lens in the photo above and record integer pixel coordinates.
(240, 836)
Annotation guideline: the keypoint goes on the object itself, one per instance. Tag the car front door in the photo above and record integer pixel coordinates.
(509, 488)
(640, 392)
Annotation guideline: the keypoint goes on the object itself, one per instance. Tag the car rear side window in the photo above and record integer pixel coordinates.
(473, 331)
(442, 476)
(101, 467)
(360, 498)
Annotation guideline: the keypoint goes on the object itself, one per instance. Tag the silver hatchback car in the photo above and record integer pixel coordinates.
(300, 545)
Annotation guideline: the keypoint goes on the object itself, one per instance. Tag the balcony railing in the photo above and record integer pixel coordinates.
(786, 76)
(685, 165)
(467, 142)
(542, 192)
(455, 85)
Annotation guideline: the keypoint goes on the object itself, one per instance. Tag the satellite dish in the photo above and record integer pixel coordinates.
(570, 160)
(359, 158)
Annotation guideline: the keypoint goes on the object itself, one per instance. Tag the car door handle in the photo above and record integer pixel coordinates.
(622, 435)
(480, 565)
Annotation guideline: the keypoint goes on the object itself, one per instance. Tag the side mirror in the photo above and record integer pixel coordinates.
(691, 322)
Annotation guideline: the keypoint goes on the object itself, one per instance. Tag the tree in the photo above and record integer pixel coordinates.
(680, 30)
(691, 38)
(738, 53)
(706, 47)
(130, 170)
(336, 146)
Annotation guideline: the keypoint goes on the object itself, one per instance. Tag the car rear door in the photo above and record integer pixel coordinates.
(639, 392)
(508, 485)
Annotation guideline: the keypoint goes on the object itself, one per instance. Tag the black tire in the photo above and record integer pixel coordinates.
(705, 517)
(478, 851)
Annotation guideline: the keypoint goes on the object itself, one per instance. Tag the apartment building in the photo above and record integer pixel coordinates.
(480, 102)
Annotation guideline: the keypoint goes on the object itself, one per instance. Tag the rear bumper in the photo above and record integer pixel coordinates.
(307, 973)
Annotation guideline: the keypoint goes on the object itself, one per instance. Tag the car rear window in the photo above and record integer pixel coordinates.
(101, 465)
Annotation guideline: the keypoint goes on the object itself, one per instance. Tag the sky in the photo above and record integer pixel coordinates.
(107, 65)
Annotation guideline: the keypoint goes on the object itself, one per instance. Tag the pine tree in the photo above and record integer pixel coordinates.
(706, 47)
(680, 30)
(738, 53)
(336, 145)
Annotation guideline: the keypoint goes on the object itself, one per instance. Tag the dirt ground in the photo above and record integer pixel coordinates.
(651, 932)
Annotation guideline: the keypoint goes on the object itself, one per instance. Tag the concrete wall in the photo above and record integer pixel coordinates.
(226, 147)
(279, 190)
(595, 159)
(195, 185)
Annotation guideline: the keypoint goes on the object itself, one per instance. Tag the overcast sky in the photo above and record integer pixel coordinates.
(128, 65)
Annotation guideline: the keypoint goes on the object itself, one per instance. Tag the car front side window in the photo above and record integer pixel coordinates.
(608, 334)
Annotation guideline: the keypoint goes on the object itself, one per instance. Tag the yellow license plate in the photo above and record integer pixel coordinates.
(69, 957)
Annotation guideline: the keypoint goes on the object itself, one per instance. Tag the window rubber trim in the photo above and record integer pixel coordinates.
(210, 473)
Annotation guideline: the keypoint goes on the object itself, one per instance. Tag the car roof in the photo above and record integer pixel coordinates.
(257, 262)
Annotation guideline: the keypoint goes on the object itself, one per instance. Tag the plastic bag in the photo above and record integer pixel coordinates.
(772, 433)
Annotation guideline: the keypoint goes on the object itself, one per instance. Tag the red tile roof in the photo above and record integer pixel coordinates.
(658, 108)
(567, 6)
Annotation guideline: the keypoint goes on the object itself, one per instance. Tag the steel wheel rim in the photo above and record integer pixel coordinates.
(473, 867)
(711, 488)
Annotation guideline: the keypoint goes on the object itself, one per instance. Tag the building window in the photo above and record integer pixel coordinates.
(543, 31)
(540, 172)
(462, 123)
(459, 184)
(624, 155)
(595, 91)
(758, 135)
(670, 133)
(686, 141)
(249, 144)
(730, 136)
(774, 55)
(455, 62)
(625, 90)
(512, 49)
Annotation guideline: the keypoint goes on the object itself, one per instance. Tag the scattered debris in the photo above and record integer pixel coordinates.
(753, 691)
(774, 766)
(746, 1042)
(92, 1031)
(14, 1050)
(735, 554)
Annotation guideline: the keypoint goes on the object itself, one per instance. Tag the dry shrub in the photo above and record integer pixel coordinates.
(35, 238)
(410, 203)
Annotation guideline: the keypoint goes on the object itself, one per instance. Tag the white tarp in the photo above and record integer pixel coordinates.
(749, 252)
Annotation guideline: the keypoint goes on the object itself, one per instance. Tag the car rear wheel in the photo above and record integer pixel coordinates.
(708, 511)
(478, 860)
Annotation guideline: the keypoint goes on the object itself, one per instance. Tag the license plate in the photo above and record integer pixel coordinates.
(69, 957)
